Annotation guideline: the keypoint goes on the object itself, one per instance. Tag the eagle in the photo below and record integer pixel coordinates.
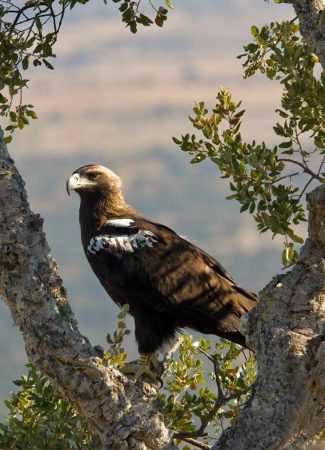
(168, 282)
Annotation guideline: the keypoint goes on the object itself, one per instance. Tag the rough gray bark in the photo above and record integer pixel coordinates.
(286, 331)
(311, 15)
(122, 413)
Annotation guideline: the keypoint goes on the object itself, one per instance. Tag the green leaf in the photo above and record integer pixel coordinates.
(38, 24)
(244, 207)
(13, 116)
(123, 7)
(20, 122)
(7, 139)
(31, 114)
(198, 158)
(162, 11)
(47, 64)
(169, 4)
(25, 63)
(254, 31)
(159, 20)
(295, 237)
(289, 255)
(286, 144)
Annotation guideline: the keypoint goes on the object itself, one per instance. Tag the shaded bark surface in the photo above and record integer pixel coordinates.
(286, 331)
(121, 412)
(311, 15)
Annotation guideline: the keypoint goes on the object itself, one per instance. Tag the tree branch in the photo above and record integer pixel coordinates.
(220, 401)
(304, 166)
(121, 412)
(197, 444)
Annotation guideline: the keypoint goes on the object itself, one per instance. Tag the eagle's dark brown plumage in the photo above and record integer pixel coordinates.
(168, 282)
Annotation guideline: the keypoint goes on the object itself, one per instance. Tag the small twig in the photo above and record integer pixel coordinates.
(200, 432)
(321, 165)
(153, 6)
(19, 13)
(168, 355)
(197, 444)
(219, 402)
(138, 6)
(53, 19)
(245, 354)
(221, 395)
(182, 435)
(284, 177)
(64, 7)
(304, 189)
(311, 179)
(216, 373)
(172, 350)
(304, 166)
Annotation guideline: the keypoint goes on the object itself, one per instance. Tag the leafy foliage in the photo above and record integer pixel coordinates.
(133, 17)
(116, 355)
(192, 394)
(28, 32)
(197, 402)
(262, 177)
(194, 400)
(38, 418)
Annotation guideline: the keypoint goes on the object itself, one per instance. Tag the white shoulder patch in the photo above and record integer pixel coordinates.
(121, 243)
(120, 222)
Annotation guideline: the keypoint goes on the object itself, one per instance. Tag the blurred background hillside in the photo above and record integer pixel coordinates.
(117, 99)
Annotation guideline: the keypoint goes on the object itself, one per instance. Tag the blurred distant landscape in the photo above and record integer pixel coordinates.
(117, 99)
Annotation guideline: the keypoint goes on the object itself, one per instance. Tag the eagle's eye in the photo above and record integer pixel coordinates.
(93, 175)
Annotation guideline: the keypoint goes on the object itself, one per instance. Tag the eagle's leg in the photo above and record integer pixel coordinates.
(147, 364)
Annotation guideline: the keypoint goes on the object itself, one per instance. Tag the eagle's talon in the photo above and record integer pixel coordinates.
(139, 370)
(148, 364)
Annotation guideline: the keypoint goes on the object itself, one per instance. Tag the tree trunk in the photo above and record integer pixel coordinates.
(121, 412)
(311, 15)
(286, 332)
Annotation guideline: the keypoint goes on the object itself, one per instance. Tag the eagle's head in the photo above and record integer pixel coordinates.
(95, 179)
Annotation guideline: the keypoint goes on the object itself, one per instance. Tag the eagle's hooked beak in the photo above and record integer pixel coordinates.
(73, 182)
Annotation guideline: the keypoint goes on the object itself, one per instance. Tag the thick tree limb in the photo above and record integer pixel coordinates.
(311, 15)
(286, 331)
(122, 413)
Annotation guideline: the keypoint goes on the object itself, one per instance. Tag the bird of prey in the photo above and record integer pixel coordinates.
(168, 282)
